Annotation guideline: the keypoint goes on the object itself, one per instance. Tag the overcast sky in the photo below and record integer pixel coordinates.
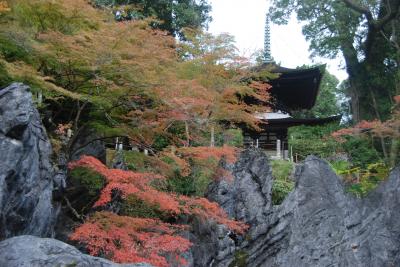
(245, 20)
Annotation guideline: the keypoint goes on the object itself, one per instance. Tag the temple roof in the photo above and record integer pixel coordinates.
(294, 89)
(290, 122)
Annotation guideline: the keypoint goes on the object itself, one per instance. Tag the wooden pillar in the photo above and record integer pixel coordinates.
(278, 148)
(40, 98)
(212, 141)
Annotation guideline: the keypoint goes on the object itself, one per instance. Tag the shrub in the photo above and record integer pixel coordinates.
(5, 79)
(280, 189)
(233, 137)
(360, 182)
(11, 51)
(361, 151)
(135, 207)
(282, 185)
(85, 186)
(316, 140)
(92, 181)
(127, 239)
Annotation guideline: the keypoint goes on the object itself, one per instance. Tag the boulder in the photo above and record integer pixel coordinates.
(318, 224)
(26, 174)
(31, 251)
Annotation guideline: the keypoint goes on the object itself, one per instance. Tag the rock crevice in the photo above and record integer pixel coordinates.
(318, 224)
(26, 174)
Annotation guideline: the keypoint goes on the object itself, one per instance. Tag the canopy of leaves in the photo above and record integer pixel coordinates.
(123, 78)
(173, 16)
(126, 239)
(365, 33)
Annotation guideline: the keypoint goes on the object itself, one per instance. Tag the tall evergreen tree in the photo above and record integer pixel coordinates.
(174, 15)
(365, 33)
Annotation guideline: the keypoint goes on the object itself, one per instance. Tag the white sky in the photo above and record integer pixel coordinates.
(245, 20)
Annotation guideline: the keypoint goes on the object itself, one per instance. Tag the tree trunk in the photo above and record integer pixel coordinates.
(212, 141)
(394, 150)
(187, 134)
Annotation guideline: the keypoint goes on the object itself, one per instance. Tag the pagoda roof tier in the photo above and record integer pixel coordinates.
(294, 89)
(284, 123)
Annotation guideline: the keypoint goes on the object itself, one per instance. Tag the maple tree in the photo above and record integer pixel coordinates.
(102, 231)
(126, 79)
(383, 130)
(126, 239)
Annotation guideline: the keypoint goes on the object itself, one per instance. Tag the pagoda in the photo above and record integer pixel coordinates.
(293, 90)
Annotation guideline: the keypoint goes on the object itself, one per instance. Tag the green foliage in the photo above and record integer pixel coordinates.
(160, 142)
(240, 259)
(137, 161)
(134, 207)
(181, 185)
(5, 79)
(46, 16)
(280, 189)
(281, 169)
(316, 140)
(202, 176)
(361, 151)
(367, 179)
(12, 51)
(233, 137)
(282, 185)
(92, 181)
(340, 167)
(334, 27)
(173, 16)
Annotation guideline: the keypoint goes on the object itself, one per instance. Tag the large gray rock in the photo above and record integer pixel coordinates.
(26, 174)
(318, 224)
(88, 142)
(31, 251)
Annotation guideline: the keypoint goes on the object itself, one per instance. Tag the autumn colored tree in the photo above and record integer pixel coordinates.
(126, 239)
(135, 240)
(385, 131)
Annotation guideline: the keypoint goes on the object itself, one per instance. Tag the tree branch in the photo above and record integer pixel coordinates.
(393, 11)
(359, 8)
(94, 140)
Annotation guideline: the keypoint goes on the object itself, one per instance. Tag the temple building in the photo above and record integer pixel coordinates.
(293, 90)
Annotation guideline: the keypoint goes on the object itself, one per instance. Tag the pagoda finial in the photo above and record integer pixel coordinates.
(267, 41)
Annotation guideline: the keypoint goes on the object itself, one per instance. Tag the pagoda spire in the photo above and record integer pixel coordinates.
(267, 41)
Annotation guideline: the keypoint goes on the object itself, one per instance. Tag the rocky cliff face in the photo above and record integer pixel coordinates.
(318, 224)
(27, 182)
(26, 175)
(32, 251)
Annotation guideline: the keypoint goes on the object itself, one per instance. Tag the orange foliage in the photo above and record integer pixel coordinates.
(389, 128)
(126, 239)
(183, 165)
(396, 99)
(138, 184)
(4, 7)
(229, 153)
